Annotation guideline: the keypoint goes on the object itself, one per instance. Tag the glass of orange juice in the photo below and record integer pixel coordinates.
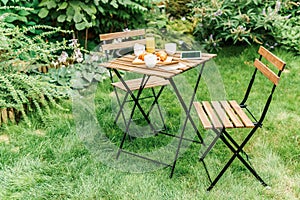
(150, 44)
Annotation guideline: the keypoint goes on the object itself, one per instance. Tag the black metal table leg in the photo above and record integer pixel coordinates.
(187, 112)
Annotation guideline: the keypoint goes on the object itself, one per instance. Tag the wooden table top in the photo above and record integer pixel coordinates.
(166, 71)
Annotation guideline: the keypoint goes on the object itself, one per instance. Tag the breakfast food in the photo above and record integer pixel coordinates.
(162, 55)
(141, 56)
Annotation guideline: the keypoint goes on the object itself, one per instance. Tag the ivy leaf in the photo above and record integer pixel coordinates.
(61, 18)
(43, 13)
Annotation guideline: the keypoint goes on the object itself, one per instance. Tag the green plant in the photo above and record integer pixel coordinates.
(88, 71)
(91, 17)
(246, 21)
(287, 32)
(178, 8)
(22, 52)
(78, 70)
(25, 12)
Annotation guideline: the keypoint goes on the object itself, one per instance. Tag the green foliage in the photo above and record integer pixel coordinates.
(25, 12)
(245, 21)
(178, 8)
(22, 52)
(97, 15)
(88, 72)
(288, 33)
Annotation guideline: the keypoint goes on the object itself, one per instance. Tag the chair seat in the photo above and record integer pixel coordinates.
(134, 84)
(222, 114)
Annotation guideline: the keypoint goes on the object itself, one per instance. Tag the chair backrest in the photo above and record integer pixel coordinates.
(125, 39)
(271, 58)
(262, 64)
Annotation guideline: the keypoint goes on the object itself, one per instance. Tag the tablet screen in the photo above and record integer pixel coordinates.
(190, 55)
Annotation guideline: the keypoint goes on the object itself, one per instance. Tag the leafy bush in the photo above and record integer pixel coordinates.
(98, 16)
(21, 53)
(246, 21)
(178, 8)
(26, 15)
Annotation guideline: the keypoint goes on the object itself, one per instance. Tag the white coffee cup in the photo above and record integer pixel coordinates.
(138, 49)
(170, 48)
(150, 60)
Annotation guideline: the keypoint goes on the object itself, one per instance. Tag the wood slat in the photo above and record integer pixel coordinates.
(135, 84)
(121, 45)
(230, 112)
(132, 33)
(222, 114)
(146, 71)
(202, 115)
(245, 119)
(266, 71)
(212, 115)
(271, 58)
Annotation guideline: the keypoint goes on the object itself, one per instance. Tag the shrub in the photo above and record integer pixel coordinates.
(21, 53)
(94, 16)
(246, 21)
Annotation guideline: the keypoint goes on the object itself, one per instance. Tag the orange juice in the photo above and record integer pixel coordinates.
(150, 44)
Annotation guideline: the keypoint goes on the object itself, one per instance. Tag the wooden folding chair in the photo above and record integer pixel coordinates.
(228, 114)
(125, 41)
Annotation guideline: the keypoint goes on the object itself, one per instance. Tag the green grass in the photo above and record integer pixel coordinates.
(54, 161)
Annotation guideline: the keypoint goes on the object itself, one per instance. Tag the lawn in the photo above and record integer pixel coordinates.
(59, 160)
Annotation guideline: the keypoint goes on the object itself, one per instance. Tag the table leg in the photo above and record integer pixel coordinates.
(188, 116)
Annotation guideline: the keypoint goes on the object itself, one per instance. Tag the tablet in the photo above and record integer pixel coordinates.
(190, 55)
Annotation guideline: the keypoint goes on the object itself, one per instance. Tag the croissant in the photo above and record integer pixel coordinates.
(162, 55)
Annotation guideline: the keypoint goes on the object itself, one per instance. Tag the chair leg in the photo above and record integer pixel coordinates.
(204, 165)
(214, 182)
(236, 154)
(250, 168)
(121, 106)
(212, 143)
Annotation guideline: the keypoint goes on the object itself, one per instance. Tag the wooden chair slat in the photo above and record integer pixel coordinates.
(212, 115)
(202, 116)
(110, 36)
(230, 112)
(245, 119)
(222, 114)
(266, 71)
(134, 84)
(271, 58)
(121, 45)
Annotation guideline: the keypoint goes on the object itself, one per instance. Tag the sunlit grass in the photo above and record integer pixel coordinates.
(50, 161)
